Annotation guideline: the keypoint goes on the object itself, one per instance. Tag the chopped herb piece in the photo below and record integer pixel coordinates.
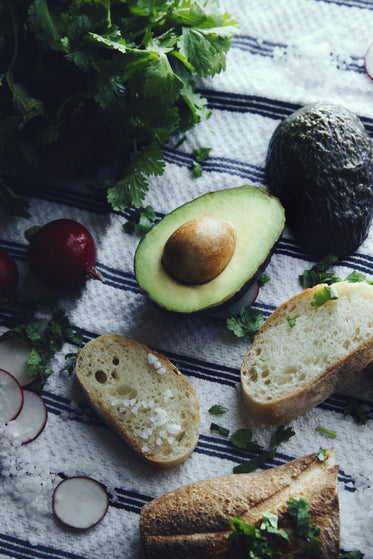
(356, 277)
(327, 432)
(217, 409)
(323, 456)
(313, 547)
(44, 336)
(356, 410)
(319, 273)
(258, 542)
(247, 323)
(264, 278)
(351, 555)
(219, 429)
(324, 295)
(242, 438)
(141, 221)
(281, 435)
(299, 514)
(254, 463)
(201, 154)
(292, 321)
(196, 170)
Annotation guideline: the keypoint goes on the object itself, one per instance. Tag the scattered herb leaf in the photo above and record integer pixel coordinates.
(292, 321)
(246, 323)
(219, 429)
(201, 154)
(282, 434)
(263, 279)
(319, 273)
(140, 222)
(242, 438)
(323, 454)
(327, 432)
(254, 463)
(196, 169)
(322, 296)
(356, 410)
(352, 555)
(217, 409)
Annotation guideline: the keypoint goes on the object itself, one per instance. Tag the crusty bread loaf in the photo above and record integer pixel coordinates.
(193, 521)
(289, 370)
(143, 396)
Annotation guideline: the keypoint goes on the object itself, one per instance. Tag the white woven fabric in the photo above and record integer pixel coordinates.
(287, 53)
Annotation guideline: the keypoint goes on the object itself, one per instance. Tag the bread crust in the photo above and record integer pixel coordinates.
(193, 521)
(298, 401)
(96, 357)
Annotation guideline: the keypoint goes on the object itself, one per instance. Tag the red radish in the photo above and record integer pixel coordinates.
(80, 502)
(62, 253)
(8, 274)
(11, 397)
(31, 420)
(369, 61)
(13, 357)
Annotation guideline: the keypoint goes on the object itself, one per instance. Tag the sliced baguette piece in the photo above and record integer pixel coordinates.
(289, 370)
(143, 396)
(192, 522)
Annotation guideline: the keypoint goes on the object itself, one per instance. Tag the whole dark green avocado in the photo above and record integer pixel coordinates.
(319, 164)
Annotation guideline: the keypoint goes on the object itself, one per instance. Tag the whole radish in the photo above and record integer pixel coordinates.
(8, 274)
(62, 254)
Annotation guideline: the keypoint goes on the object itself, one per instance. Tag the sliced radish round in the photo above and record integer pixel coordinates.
(13, 357)
(11, 397)
(369, 61)
(80, 502)
(31, 420)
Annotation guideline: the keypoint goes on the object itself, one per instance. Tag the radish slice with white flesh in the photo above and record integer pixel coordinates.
(369, 61)
(31, 420)
(11, 397)
(13, 357)
(80, 502)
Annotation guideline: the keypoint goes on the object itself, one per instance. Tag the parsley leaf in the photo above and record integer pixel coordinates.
(219, 429)
(292, 321)
(351, 555)
(319, 273)
(263, 279)
(254, 463)
(200, 155)
(246, 323)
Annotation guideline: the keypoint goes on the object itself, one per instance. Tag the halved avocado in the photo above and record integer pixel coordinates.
(257, 218)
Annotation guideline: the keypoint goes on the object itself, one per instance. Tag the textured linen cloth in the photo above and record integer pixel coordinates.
(286, 54)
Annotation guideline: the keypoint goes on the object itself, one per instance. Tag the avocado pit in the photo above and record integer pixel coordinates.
(199, 250)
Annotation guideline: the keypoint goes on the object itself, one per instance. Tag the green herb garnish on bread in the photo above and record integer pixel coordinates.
(143, 396)
(289, 370)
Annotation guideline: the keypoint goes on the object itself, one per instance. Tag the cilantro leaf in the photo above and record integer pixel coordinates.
(219, 429)
(322, 296)
(254, 463)
(351, 555)
(246, 323)
(292, 321)
(356, 410)
(263, 279)
(196, 169)
(140, 222)
(282, 434)
(201, 153)
(356, 277)
(242, 438)
(217, 409)
(319, 272)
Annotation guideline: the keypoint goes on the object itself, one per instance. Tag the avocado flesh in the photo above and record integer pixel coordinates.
(320, 165)
(258, 220)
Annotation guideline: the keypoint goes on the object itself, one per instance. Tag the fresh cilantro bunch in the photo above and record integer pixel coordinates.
(92, 83)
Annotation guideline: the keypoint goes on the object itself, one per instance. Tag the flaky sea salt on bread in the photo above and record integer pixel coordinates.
(293, 366)
(143, 396)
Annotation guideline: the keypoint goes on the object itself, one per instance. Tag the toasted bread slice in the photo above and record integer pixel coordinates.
(290, 369)
(143, 396)
(193, 521)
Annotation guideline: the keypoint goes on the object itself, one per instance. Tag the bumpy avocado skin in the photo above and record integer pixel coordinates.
(319, 164)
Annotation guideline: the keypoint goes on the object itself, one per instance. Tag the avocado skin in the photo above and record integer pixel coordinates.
(319, 164)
